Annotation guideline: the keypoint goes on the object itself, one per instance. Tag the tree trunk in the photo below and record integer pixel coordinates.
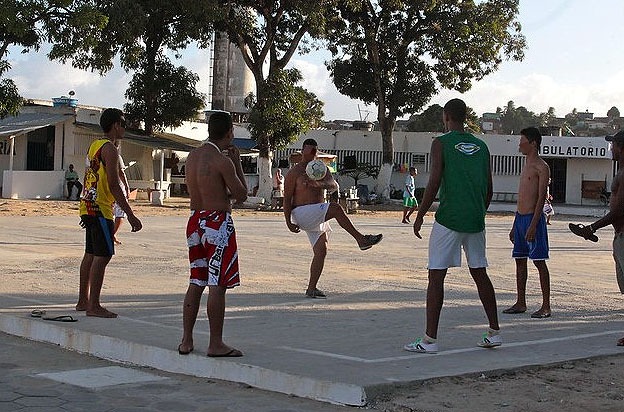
(265, 178)
(382, 187)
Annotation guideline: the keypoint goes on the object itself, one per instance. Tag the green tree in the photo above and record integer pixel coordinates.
(514, 119)
(141, 32)
(613, 113)
(286, 112)
(177, 99)
(548, 118)
(362, 170)
(268, 33)
(396, 54)
(428, 121)
(26, 24)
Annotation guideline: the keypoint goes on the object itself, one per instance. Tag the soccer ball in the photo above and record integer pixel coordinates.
(316, 169)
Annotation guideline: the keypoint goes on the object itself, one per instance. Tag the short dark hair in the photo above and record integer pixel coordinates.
(219, 124)
(309, 142)
(533, 135)
(109, 117)
(456, 110)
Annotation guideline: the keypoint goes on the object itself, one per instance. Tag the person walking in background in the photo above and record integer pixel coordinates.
(460, 171)
(101, 189)
(214, 180)
(529, 234)
(409, 198)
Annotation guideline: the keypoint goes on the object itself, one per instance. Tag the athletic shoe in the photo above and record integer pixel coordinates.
(315, 294)
(420, 346)
(371, 240)
(488, 341)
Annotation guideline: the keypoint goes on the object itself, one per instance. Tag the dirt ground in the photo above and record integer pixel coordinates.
(595, 384)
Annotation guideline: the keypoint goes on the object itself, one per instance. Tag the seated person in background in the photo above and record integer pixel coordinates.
(72, 179)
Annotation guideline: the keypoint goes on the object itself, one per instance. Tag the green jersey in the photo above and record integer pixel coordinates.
(464, 186)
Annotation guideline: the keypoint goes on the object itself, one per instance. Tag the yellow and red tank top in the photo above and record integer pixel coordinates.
(97, 199)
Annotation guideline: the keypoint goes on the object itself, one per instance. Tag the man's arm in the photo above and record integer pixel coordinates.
(543, 174)
(433, 185)
(616, 206)
(328, 183)
(110, 157)
(233, 175)
(289, 191)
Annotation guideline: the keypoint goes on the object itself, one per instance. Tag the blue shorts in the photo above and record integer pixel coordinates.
(536, 250)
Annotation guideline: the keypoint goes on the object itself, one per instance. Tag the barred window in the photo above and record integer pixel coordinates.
(506, 165)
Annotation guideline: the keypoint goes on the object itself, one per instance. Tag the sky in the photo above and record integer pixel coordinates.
(573, 60)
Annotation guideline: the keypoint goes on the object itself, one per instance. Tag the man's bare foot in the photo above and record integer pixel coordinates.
(117, 241)
(185, 349)
(540, 314)
(101, 313)
(620, 342)
(224, 352)
(516, 308)
(81, 307)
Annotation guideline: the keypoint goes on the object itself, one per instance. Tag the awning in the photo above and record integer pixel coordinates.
(156, 141)
(27, 122)
(244, 143)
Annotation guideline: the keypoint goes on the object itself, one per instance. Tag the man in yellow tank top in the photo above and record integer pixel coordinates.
(101, 188)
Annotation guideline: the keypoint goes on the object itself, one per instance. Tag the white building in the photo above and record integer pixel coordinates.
(580, 166)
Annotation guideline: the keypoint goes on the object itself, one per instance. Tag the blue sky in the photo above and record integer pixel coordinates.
(573, 60)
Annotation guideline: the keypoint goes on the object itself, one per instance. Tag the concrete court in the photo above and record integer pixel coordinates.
(346, 349)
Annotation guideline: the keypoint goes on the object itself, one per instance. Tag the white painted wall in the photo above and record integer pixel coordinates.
(26, 184)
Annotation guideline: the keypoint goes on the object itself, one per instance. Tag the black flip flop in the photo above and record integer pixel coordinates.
(578, 230)
(234, 353)
(62, 318)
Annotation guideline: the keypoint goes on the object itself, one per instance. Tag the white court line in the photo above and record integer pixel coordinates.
(453, 351)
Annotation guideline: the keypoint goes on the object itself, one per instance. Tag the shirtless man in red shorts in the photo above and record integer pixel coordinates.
(213, 179)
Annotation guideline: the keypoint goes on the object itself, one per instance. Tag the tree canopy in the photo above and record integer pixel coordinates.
(27, 24)
(141, 32)
(397, 54)
(268, 34)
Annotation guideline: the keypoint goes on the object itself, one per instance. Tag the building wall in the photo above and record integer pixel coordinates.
(587, 158)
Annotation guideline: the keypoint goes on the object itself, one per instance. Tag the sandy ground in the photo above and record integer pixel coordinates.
(595, 384)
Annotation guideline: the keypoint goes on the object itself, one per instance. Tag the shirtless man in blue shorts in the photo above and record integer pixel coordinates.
(305, 208)
(529, 234)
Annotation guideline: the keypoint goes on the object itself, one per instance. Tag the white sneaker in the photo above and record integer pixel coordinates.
(420, 346)
(488, 341)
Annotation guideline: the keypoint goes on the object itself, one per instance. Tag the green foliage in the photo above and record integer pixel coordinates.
(141, 32)
(613, 113)
(29, 23)
(514, 119)
(361, 171)
(287, 112)
(396, 54)
(268, 33)
(174, 91)
(428, 121)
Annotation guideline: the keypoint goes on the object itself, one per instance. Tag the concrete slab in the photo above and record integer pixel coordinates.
(98, 378)
(346, 349)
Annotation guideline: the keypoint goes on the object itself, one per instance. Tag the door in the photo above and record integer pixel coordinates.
(40, 149)
(558, 173)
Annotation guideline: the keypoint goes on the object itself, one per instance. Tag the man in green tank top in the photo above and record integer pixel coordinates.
(460, 171)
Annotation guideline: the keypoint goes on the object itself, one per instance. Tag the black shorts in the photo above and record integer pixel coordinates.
(99, 236)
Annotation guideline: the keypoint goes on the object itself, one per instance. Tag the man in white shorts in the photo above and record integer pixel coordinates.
(118, 213)
(305, 208)
(465, 192)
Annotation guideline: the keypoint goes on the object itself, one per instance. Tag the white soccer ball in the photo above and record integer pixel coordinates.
(316, 169)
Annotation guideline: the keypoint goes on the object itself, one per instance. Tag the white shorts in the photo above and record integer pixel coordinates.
(311, 219)
(118, 212)
(445, 248)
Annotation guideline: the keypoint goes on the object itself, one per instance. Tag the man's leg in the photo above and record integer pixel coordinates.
(318, 262)
(96, 279)
(544, 276)
(618, 256)
(409, 213)
(405, 210)
(435, 299)
(192, 300)
(83, 292)
(486, 294)
(118, 222)
(521, 279)
(216, 315)
(335, 211)
(69, 189)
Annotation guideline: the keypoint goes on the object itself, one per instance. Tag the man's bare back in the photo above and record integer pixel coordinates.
(211, 178)
(533, 184)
